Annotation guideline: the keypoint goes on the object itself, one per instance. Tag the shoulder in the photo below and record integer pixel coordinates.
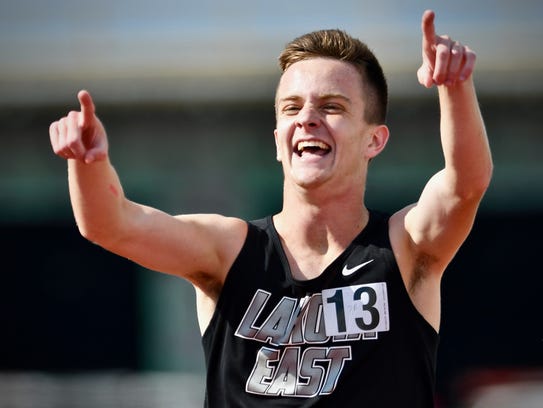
(216, 240)
(403, 246)
(220, 232)
(421, 277)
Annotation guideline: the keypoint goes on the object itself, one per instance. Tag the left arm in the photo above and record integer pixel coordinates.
(427, 234)
(442, 218)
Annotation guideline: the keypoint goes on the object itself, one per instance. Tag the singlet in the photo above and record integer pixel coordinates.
(349, 338)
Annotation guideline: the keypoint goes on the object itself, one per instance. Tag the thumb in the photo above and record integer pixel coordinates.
(95, 154)
(96, 143)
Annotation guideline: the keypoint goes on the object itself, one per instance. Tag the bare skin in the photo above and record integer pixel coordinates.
(319, 103)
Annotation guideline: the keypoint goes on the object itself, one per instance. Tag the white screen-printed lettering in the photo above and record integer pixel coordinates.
(356, 309)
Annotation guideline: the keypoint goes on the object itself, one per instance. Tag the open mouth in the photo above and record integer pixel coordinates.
(312, 147)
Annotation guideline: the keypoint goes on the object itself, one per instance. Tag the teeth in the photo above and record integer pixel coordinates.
(312, 144)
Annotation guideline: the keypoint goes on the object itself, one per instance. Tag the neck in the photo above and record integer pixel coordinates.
(320, 218)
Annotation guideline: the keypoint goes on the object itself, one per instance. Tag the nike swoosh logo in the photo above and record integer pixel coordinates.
(349, 271)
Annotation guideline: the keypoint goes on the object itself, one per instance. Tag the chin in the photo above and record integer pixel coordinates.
(309, 180)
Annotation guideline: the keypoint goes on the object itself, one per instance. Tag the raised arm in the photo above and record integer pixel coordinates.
(428, 234)
(199, 248)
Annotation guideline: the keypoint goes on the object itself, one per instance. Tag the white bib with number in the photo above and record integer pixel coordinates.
(356, 309)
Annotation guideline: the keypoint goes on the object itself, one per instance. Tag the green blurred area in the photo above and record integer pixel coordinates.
(185, 90)
(220, 157)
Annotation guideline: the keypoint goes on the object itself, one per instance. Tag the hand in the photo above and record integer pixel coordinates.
(80, 135)
(444, 61)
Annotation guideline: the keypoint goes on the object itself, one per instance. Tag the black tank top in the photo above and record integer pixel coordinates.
(351, 336)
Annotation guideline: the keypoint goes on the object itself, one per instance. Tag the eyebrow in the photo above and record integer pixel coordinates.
(294, 98)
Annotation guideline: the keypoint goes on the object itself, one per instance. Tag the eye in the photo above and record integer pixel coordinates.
(291, 109)
(332, 108)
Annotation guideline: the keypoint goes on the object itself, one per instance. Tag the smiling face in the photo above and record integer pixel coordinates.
(321, 133)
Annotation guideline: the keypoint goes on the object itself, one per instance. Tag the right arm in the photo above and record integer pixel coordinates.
(200, 248)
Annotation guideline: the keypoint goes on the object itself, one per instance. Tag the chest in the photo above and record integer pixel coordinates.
(309, 267)
(306, 263)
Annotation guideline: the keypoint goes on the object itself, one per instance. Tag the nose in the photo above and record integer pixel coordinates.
(308, 117)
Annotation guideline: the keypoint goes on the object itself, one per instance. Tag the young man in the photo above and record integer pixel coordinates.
(325, 302)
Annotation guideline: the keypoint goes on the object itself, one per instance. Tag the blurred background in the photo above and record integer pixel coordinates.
(186, 91)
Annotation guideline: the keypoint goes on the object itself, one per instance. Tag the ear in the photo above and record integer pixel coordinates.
(277, 150)
(377, 141)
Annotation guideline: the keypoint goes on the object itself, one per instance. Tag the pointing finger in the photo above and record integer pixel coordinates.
(428, 34)
(87, 108)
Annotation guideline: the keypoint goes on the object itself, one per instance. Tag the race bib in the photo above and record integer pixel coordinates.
(360, 309)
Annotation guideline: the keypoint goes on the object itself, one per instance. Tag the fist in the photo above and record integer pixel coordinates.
(80, 135)
(444, 61)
